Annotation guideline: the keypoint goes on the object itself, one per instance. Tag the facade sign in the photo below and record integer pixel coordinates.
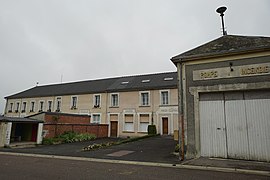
(231, 72)
(173, 109)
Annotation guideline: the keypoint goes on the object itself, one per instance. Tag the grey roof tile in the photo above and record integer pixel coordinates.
(101, 86)
(228, 44)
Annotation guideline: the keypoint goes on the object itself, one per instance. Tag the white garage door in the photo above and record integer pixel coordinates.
(235, 125)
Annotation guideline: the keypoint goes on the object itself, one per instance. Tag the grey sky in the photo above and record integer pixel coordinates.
(90, 39)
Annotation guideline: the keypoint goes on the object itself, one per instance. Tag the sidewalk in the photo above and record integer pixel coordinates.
(253, 167)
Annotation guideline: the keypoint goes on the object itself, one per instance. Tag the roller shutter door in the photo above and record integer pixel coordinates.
(235, 125)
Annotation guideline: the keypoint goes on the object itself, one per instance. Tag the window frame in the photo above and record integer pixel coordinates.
(161, 97)
(95, 104)
(17, 107)
(92, 118)
(33, 106)
(139, 121)
(133, 123)
(113, 102)
(10, 107)
(23, 107)
(74, 104)
(41, 105)
(49, 105)
(142, 99)
(58, 104)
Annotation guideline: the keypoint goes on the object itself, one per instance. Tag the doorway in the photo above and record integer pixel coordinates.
(114, 128)
(165, 126)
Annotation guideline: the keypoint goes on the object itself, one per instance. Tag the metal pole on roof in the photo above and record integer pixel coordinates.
(221, 11)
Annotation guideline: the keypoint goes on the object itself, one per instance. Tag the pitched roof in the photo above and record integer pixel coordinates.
(128, 83)
(225, 45)
(19, 119)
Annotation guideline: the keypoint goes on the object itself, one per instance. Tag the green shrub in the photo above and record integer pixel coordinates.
(71, 136)
(177, 148)
(152, 129)
(68, 137)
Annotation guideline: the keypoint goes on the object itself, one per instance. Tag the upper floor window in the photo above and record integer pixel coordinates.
(10, 107)
(164, 97)
(58, 104)
(114, 100)
(49, 106)
(97, 100)
(96, 118)
(17, 107)
(74, 100)
(23, 107)
(144, 98)
(32, 106)
(41, 105)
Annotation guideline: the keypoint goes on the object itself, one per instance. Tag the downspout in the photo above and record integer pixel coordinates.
(180, 112)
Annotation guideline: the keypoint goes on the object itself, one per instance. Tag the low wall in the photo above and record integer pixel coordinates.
(54, 129)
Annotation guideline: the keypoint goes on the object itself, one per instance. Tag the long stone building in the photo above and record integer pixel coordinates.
(127, 104)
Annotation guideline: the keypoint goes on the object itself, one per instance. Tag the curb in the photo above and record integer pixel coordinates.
(166, 165)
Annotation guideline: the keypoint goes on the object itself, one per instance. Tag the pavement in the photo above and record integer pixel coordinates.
(153, 151)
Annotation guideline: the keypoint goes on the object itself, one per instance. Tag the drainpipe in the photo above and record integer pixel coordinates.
(180, 112)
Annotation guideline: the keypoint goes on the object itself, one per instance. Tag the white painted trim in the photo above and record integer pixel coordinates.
(123, 125)
(92, 114)
(118, 97)
(94, 100)
(109, 123)
(160, 97)
(149, 98)
(31, 108)
(39, 133)
(39, 105)
(47, 105)
(71, 101)
(56, 101)
(139, 119)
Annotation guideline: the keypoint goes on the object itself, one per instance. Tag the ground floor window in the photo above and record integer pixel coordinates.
(96, 118)
(129, 122)
(144, 120)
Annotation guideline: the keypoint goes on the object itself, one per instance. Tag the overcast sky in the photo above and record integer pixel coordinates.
(42, 40)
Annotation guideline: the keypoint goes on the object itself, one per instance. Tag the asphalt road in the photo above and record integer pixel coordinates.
(30, 168)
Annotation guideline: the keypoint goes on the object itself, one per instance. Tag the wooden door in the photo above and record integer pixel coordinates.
(34, 132)
(114, 128)
(165, 125)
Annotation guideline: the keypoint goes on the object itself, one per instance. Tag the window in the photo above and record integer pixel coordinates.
(23, 107)
(114, 100)
(58, 104)
(41, 105)
(10, 107)
(144, 98)
(49, 106)
(146, 81)
(96, 118)
(32, 106)
(74, 100)
(128, 123)
(164, 97)
(144, 122)
(97, 100)
(17, 107)
(168, 78)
